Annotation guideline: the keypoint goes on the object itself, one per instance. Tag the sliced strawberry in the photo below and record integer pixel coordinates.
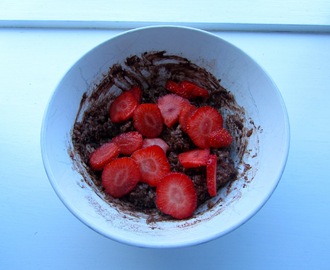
(211, 175)
(137, 93)
(122, 108)
(220, 138)
(186, 111)
(175, 88)
(103, 155)
(176, 195)
(153, 164)
(192, 90)
(172, 86)
(201, 123)
(128, 142)
(155, 141)
(194, 158)
(120, 176)
(148, 120)
(186, 89)
(170, 107)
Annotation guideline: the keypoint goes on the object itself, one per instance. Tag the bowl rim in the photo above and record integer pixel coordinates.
(138, 242)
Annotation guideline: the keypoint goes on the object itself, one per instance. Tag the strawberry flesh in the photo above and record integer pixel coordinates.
(187, 89)
(194, 158)
(148, 120)
(137, 93)
(128, 142)
(155, 141)
(176, 196)
(120, 176)
(220, 138)
(201, 123)
(186, 111)
(193, 91)
(103, 155)
(175, 88)
(170, 107)
(122, 108)
(153, 164)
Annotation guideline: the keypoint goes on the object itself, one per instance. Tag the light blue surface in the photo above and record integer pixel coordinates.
(292, 231)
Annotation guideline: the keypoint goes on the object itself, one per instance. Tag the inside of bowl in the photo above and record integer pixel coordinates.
(258, 102)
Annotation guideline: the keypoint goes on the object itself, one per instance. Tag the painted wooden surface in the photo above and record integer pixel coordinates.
(279, 15)
(292, 231)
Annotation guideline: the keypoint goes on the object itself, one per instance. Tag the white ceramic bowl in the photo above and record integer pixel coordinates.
(254, 91)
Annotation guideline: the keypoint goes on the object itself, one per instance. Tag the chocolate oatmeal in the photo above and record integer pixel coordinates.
(150, 71)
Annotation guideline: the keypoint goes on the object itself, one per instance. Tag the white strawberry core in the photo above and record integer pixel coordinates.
(149, 165)
(119, 176)
(176, 195)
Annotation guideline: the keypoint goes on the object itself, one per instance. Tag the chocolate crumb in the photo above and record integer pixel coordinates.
(249, 133)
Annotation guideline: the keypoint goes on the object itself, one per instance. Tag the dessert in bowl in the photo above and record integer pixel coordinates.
(78, 121)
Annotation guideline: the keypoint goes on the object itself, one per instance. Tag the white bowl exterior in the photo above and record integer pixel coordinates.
(253, 90)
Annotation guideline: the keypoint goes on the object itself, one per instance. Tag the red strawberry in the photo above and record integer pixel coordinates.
(220, 138)
(201, 123)
(186, 111)
(175, 88)
(194, 158)
(155, 141)
(176, 195)
(120, 176)
(103, 155)
(211, 175)
(128, 142)
(153, 164)
(186, 89)
(122, 108)
(192, 90)
(170, 107)
(137, 92)
(148, 120)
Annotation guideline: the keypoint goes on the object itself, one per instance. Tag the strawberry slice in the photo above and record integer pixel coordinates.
(120, 176)
(137, 93)
(170, 107)
(187, 110)
(192, 90)
(201, 123)
(148, 120)
(211, 175)
(175, 88)
(220, 138)
(128, 142)
(103, 155)
(122, 108)
(176, 195)
(186, 89)
(194, 158)
(153, 164)
(172, 86)
(155, 141)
